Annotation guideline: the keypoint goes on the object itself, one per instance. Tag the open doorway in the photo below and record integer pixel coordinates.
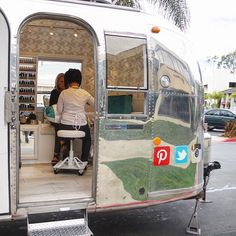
(49, 47)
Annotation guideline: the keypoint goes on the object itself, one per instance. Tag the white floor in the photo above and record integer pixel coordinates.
(39, 183)
(27, 146)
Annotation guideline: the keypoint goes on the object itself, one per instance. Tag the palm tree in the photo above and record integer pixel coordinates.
(176, 10)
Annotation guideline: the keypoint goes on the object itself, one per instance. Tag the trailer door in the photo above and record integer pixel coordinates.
(124, 142)
(4, 87)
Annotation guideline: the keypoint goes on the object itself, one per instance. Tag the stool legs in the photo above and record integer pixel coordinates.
(71, 162)
(71, 154)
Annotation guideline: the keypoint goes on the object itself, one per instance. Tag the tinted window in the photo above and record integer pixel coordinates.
(227, 113)
(213, 113)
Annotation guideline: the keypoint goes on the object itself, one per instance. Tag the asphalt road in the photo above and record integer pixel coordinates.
(217, 218)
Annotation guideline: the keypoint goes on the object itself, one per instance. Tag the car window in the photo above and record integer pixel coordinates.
(210, 113)
(213, 113)
(227, 113)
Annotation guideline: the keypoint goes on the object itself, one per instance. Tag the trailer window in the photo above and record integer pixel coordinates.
(126, 102)
(126, 83)
(126, 62)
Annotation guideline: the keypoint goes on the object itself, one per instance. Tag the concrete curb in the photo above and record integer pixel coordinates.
(220, 139)
(231, 140)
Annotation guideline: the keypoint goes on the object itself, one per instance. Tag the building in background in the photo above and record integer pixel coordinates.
(215, 79)
(219, 80)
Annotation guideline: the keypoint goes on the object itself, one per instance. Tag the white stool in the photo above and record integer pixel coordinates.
(71, 162)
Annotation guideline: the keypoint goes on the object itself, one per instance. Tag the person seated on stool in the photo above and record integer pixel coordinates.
(71, 109)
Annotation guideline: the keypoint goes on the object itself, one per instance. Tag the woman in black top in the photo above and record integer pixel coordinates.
(59, 86)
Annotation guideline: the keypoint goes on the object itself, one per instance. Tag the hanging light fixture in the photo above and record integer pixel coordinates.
(51, 31)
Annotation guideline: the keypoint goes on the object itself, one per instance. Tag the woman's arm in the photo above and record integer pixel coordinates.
(60, 104)
(90, 101)
(53, 97)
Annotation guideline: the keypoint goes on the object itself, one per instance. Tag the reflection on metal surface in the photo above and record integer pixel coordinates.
(165, 81)
(128, 53)
(176, 106)
(117, 127)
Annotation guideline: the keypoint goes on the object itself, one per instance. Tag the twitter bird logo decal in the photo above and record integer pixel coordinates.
(181, 155)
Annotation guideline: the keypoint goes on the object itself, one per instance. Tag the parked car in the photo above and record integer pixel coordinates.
(217, 118)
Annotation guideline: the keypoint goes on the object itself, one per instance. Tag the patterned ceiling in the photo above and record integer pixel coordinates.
(58, 39)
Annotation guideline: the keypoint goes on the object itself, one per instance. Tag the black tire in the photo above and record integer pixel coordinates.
(210, 128)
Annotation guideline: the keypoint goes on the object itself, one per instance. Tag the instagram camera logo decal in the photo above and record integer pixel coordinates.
(196, 153)
(181, 155)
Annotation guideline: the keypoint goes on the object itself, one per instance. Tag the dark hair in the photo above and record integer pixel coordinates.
(71, 76)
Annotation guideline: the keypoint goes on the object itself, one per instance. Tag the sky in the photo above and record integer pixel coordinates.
(212, 27)
(213, 31)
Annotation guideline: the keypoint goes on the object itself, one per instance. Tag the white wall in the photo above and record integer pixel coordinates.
(216, 79)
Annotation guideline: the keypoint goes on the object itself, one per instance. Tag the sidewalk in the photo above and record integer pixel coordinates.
(217, 139)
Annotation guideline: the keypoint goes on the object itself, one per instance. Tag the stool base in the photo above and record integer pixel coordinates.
(71, 164)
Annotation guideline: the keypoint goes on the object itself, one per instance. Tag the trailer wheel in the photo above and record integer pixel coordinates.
(56, 171)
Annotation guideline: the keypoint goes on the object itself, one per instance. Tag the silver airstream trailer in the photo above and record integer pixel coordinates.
(147, 124)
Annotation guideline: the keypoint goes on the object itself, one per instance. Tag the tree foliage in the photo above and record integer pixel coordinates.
(175, 10)
(227, 61)
(215, 96)
(233, 95)
(127, 3)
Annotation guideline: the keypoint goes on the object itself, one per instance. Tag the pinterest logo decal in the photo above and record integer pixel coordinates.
(161, 156)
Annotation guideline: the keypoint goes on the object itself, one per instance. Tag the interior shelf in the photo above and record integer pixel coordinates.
(27, 84)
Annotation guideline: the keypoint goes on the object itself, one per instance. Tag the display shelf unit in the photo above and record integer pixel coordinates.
(27, 84)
